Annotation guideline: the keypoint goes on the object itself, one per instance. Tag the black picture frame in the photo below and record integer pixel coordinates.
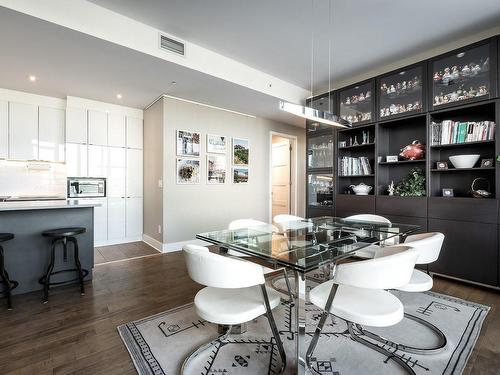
(442, 165)
(448, 192)
(487, 163)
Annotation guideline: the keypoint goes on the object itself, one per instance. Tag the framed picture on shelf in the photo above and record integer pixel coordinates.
(216, 169)
(188, 143)
(188, 171)
(391, 158)
(241, 151)
(448, 192)
(216, 144)
(240, 175)
(487, 163)
(442, 165)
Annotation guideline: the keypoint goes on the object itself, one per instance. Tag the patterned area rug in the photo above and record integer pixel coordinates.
(159, 344)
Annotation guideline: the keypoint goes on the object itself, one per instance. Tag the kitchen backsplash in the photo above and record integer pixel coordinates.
(32, 179)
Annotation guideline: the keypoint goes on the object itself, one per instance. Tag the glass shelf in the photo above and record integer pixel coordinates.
(356, 103)
(320, 190)
(401, 92)
(462, 76)
(320, 152)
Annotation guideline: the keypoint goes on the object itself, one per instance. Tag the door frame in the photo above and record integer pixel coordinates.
(293, 173)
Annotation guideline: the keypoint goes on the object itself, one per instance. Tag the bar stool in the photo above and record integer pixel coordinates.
(63, 236)
(9, 284)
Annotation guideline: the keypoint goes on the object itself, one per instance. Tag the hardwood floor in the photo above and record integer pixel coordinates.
(75, 334)
(113, 253)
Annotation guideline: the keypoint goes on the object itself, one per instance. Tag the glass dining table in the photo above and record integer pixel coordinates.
(307, 245)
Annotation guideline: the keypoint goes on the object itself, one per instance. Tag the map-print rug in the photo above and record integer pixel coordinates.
(160, 343)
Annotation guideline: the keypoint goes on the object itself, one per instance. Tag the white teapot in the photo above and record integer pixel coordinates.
(361, 189)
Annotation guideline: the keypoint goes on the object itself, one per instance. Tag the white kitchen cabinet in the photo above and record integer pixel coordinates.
(76, 160)
(116, 218)
(4, 129)
(98, 161)
(134, 133)
(134, 217)
(76, 125)
(98, 128)
(51, 124)
(117, 168)
(116, 130)
(23, 131)
(101, 221)
(134, 173)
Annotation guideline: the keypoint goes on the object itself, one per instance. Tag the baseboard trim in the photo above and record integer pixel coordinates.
(118, 242)
(155, 244)
(465, 281)
(177, 246)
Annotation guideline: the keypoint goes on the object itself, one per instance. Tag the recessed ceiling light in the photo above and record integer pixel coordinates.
(32, 78)
(118, 96)
(402, 73)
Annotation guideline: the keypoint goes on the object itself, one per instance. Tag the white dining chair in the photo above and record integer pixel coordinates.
(369, 251)
(358, 294)
(249, 223)
(235, 293)
(428, 246)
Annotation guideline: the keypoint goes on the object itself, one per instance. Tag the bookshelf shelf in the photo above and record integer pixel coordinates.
(464, 144)
(354, 147)
(477, 169)
(357, 175)
(399, 162)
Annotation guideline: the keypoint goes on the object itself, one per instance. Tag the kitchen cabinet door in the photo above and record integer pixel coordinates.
(134, 173)
(98, 161)
(98, 128)
(134, 133)
(77, 160)
(51, 124)
(134, 217)
(116, 130)
(116, 218)
(76, 125)
(116, 181)
(4, 129)
(23, 131)
(101, 221)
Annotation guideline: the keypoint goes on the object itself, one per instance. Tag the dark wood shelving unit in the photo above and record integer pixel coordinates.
(356, 175)
(465, 221)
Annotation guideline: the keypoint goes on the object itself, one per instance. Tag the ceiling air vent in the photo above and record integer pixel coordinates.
(172, 45)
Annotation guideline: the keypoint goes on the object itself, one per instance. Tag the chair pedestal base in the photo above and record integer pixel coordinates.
(236, 329)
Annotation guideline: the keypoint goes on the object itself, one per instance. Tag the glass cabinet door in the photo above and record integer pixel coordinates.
(322, 103)
(356, 103)
(320, 190)
(462, 76)
(401, 93)
(320, 151)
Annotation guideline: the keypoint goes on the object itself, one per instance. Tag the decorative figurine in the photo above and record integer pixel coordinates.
(414, 151)
(437, 77)
(454, 73)
(361, 97)
(466, 70)
(476, 69)
(355, 141)
(348, 101)
(391, 188)
(368, 94)
(486, 65)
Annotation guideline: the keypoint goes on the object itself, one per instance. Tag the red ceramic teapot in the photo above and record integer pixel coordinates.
(414, 151)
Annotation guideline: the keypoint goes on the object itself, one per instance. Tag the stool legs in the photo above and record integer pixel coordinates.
(4, 278)
(81, 275)
(50, 268)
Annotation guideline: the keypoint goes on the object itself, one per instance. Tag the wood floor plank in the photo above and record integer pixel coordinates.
(75, 334)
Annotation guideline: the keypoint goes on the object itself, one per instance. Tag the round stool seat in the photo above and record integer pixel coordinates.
(64, 232)
(6, 236)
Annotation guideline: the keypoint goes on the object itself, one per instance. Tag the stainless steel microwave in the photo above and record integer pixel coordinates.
(86, 187)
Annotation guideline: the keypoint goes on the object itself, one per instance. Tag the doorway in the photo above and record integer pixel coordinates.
(283, 177)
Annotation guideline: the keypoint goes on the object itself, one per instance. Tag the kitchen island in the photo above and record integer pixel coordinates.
(27, 255)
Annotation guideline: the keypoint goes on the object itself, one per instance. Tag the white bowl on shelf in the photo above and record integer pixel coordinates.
(464, 161)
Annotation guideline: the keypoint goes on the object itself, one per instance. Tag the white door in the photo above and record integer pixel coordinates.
(101, 221)
(98, 161)
(281, 178)
(76, 160)
(116, 130)
(134, 132)
(134, 217)
(51, 124)
(134, 173)
(116, 218)
(76, 125)
(98, 128)
(116, 181)
(23, 131)
(4, 129)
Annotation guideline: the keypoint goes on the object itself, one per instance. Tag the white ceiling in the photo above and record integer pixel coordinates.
(70, 63)
(275, 36)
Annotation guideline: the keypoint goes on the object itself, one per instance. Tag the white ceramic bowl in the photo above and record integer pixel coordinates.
(464, 161)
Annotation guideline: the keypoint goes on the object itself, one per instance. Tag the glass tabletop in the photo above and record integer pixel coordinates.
(305, 245)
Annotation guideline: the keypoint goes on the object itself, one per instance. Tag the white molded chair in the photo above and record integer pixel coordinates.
(358, 295)
(235, 293)
(428, 246)
(370, 251)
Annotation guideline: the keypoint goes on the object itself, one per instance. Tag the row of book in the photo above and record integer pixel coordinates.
(452, 132)
(354, 166)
